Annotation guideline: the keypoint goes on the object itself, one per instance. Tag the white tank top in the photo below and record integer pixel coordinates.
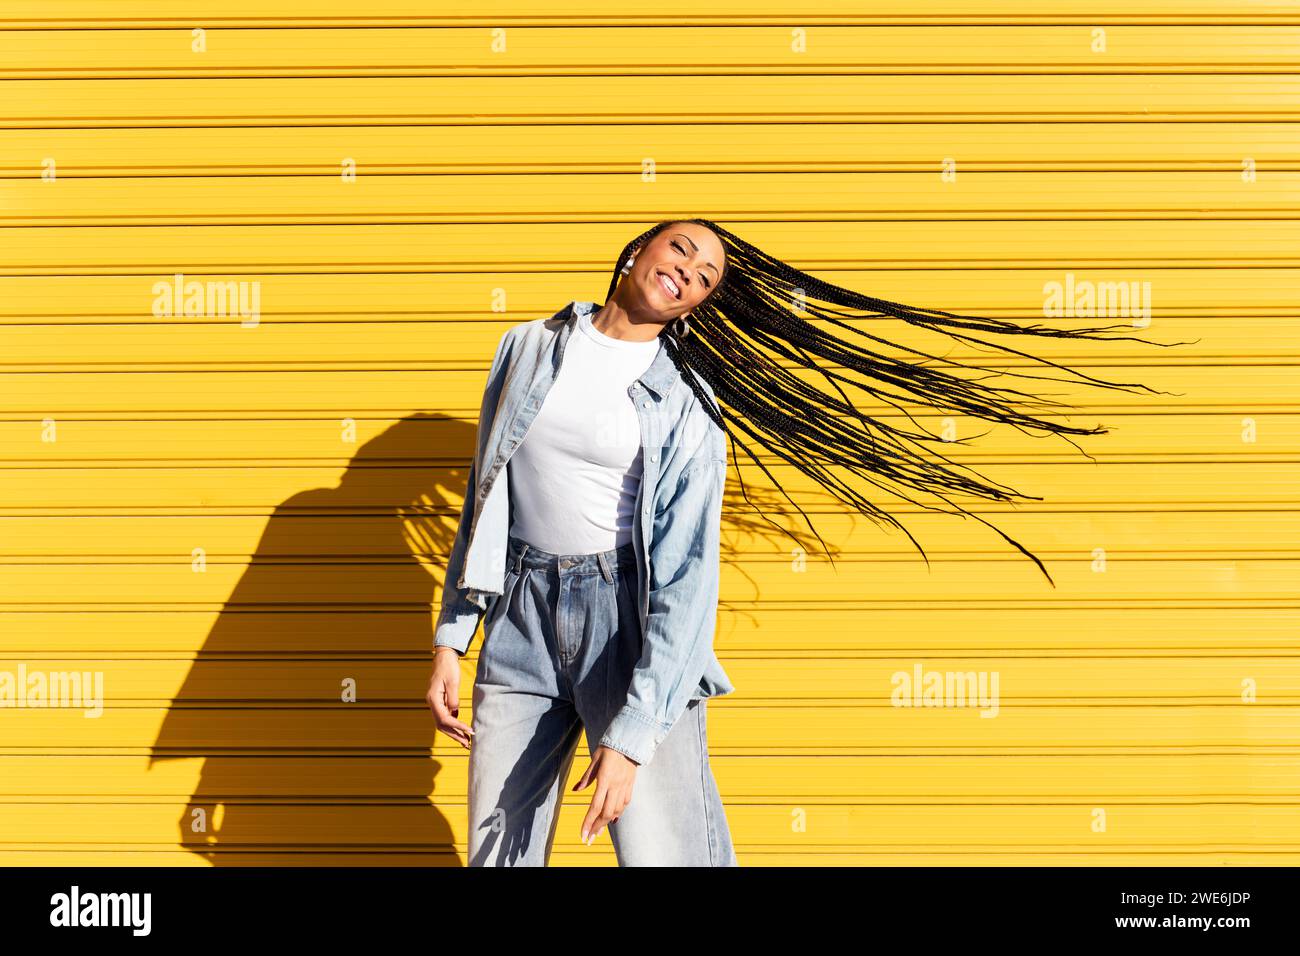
(574, 478)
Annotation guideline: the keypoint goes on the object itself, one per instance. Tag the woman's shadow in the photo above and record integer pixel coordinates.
(306, 702)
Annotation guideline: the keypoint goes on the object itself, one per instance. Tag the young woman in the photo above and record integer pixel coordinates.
(594, 564)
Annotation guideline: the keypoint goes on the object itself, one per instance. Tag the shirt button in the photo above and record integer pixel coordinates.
(645, 404)
(654, 457)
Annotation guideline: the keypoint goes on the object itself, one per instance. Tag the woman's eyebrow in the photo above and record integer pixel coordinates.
(697, 249)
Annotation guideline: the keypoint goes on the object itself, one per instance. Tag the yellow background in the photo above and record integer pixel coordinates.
(234, 521)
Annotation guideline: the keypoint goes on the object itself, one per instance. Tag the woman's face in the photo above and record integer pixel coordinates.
(673, 272)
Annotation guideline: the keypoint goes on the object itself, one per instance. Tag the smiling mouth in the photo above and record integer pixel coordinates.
(669, 286)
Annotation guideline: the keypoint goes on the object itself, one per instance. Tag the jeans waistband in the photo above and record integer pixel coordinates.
(521, 555)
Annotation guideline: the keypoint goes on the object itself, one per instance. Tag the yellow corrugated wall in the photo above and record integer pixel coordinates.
(239, 521)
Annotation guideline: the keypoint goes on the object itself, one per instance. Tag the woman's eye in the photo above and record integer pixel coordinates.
(678, 246)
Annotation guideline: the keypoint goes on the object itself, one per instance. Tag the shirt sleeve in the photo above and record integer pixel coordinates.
(462, 608)
(683, 612)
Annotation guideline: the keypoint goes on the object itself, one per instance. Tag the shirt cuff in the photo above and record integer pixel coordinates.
(457, 630)
(634, 734)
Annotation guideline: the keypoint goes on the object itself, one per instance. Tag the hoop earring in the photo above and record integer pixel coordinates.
(683, 329)
(628, 267)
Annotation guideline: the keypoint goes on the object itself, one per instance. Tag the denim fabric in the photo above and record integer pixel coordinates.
(558, 649)
(675, 536)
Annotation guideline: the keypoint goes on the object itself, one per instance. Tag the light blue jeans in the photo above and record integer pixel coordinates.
(559, 648)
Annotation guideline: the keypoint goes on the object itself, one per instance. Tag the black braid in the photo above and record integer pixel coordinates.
(751, 312)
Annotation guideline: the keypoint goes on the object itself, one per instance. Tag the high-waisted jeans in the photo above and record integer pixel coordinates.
(559, 648)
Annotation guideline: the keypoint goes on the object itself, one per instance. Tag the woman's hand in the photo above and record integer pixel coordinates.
(444, 695)
(615, 774)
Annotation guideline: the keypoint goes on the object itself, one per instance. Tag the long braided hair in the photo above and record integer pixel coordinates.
(752, 315)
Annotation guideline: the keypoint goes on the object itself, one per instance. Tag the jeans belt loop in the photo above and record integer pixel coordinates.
(604, 567)
(519, 559)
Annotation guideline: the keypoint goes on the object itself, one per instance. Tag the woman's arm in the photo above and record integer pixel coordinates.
(459, 617)
(684, 571)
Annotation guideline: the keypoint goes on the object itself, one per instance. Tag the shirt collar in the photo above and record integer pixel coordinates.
(662, 374)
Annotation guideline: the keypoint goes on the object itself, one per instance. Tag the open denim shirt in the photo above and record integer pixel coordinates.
(679, 511)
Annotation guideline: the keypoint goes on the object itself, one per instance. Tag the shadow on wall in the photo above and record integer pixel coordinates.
(339, 593)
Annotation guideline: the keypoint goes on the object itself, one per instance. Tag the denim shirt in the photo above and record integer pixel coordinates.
(676, 536)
